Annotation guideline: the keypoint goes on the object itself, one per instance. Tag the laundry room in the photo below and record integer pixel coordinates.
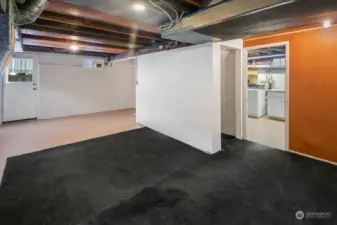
(267, 71)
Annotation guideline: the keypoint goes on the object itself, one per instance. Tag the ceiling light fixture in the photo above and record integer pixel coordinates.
(74, 47)
(138, 7)
(327, 24)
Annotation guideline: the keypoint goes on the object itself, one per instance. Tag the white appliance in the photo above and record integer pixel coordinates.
(256, 103)
(276, 103)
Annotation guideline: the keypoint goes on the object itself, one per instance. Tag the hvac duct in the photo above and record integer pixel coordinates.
(29, 11)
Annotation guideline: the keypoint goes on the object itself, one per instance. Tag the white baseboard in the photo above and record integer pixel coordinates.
(312, 157)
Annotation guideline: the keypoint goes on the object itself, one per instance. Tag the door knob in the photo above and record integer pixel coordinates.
(34, 89)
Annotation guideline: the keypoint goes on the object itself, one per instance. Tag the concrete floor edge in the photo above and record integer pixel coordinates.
(49, 133)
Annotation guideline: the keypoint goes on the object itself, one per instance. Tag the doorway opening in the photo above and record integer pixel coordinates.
(266, 117)
(20, 90)
(231, 93)
(228, 117)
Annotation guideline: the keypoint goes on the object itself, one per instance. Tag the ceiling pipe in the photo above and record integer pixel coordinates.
(29, 11)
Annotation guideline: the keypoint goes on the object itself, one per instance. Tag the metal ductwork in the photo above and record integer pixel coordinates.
(241, 18)
(29, 11)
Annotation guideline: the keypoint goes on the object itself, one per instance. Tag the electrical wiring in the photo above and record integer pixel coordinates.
(175, 21)
(172, 7)
(170, 24)
(168, 15)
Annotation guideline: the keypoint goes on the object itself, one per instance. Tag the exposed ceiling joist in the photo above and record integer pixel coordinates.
(64, 51)
(68, 42)
(66, 45)
(82, 22)
(69, 27)
(36, 28)
(291, 14)
(64, 24)
(220, 13)
(73, 36)
(63, 7)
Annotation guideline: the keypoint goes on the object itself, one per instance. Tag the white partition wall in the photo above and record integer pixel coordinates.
(179, 93)
(175, 95)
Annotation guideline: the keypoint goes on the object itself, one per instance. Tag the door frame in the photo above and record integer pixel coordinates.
(245, 87)
(36, 76)
(237, 67)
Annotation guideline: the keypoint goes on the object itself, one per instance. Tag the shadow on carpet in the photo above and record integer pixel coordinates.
(143, 177)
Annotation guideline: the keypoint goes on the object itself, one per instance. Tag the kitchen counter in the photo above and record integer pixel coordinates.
(276, 90)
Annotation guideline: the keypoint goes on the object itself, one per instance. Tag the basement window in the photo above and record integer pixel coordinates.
(93, 63)
(20, 70)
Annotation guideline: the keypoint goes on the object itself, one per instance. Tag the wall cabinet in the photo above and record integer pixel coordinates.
(276, 104)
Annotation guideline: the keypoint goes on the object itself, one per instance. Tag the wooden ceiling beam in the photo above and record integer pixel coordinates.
(75, 32)
(78, 21)
(66, 45)
(97, 33)
(63, 7)
(69, 42)
(76, 37)
(63, 51)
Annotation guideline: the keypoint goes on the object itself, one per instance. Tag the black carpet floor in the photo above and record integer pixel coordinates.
(142, 177)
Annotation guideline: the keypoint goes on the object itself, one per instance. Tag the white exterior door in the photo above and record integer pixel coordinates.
(20, 90)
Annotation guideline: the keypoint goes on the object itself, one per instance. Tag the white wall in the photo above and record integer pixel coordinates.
(175, 95)
(66, 88)
(179, 93)
(61, 59)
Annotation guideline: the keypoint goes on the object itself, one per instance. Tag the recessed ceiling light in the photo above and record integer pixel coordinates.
(327, 24)
(74, 47)
(138, 7)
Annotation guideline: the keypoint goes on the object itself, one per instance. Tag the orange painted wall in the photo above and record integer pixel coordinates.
(312, 90)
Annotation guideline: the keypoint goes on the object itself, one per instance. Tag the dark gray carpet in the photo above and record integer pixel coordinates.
(142, 177)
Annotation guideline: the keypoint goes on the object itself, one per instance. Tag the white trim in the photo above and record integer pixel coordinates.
(244, 93)
(37, 82)
(268, 45)
(245, 87)
(237, 96)
(290, 32)
(311, 157)
(238, 79)
(287, 110)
